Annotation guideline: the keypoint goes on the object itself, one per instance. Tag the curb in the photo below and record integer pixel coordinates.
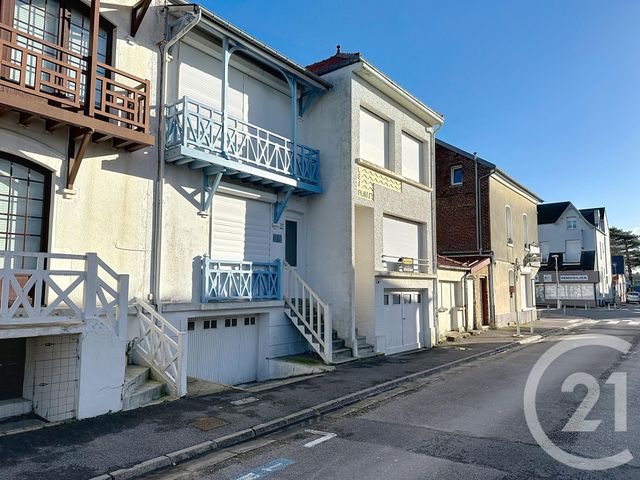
(272, 426)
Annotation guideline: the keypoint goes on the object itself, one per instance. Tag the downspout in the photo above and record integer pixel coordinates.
(156, 244)
(492, 314)
(434, 234)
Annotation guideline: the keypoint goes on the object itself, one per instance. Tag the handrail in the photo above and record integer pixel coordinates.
(240, 280)
(193, 124)
(35, 289)
(308, 308)
(160, 346)
(55, 73)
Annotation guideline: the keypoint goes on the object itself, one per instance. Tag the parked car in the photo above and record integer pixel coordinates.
(633, 297)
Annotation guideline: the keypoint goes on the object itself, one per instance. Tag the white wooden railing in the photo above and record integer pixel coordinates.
(308, 309)
(45, 288)
(159, 345)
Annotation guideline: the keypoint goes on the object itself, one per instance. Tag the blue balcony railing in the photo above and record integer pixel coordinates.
(234, 280)
(194, 125)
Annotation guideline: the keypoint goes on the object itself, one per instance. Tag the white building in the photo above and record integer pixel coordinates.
(373, 227)
(76, 175)
(579, 241)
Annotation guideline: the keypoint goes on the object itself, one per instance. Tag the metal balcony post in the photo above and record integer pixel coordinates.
(293, 88)
(226, 56)
(205, 279)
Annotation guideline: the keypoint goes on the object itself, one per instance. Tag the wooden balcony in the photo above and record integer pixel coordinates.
(39, 79)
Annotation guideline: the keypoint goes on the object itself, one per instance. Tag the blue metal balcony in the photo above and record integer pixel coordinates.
(198, 136)
(224, 280)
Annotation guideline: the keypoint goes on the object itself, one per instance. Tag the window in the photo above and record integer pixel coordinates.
(509, 226)
(191, 326)
(250, 320)
(386, 299)
(525, 229)
(456, 175)
(291, 242)
(526, 291)
(231, 322)
(573, 251)
(374, 138)
(412, 158)
(207, 324)
(400, 238)
(396, 298)
(572, 223)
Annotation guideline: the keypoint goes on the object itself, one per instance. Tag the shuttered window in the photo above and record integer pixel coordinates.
(412, 158)
(374, 141)
(400, 238)
(573, 251)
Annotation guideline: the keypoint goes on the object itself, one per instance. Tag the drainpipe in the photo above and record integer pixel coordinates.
(434, 234)
(492, 315)
(156, 243)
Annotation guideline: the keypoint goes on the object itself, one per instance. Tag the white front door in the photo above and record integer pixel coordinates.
(402, 320)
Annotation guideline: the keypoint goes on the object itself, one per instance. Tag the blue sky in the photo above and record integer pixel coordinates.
(549, 90)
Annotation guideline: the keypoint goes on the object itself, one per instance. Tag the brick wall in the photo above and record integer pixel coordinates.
(456, 204)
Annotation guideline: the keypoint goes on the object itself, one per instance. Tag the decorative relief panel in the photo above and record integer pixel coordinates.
(367, 178)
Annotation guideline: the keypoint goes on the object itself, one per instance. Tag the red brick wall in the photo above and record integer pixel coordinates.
(456, 204)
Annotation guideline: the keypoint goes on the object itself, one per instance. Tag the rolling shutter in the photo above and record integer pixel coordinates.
(241, 229)
(400, 238)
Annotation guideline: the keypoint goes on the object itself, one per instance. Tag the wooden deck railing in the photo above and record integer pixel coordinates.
(58, 75)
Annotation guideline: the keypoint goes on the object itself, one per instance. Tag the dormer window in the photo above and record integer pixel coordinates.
(572, 223)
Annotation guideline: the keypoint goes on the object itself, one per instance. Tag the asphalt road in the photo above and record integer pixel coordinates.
(468, 422)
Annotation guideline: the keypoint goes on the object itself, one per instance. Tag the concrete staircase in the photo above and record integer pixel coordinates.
(140, 390)
(365, 350)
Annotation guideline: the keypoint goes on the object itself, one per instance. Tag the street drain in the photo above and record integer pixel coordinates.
(208, 423)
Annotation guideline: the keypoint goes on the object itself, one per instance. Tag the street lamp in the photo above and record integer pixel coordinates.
(555, 257)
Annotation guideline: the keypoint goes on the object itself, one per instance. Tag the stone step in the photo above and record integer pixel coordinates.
(342, 354)
(143, 395)
(337, 344)
(365, 349)
(135, 376)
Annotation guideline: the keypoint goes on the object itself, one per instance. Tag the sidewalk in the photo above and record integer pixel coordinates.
(88, 448)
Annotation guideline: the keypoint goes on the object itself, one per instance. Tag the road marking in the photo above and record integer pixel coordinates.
(612, 322)
(573, 321)
(245, 400)
(266, 469)
(324, 436)
(630, 322)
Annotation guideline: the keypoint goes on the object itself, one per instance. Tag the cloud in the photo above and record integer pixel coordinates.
(636, 230)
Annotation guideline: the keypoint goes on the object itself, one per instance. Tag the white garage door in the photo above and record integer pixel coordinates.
(223, 350)
(241, 229)
(402, 320)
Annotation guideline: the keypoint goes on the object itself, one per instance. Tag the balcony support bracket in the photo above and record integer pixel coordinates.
(75, 157)
(138, 11)
(210, 185)
(306, 99)
(281, 206)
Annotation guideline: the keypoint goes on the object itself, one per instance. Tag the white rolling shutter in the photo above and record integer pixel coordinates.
(411, 158)
(241, 229)
(374, 133)
(400, 238)
(573, 251)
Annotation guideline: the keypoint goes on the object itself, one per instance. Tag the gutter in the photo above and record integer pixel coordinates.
(156, 242)
(434, 232)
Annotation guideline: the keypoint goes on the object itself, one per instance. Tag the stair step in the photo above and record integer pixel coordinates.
(337, 344)
(143, 395)
(342, 354)
(135, 376)
(365, 349)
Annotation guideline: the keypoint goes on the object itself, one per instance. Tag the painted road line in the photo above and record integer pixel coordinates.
(324, 436)
(612, 322)
(244, 401)
(573, 321)
(633, 323)
(267, 469)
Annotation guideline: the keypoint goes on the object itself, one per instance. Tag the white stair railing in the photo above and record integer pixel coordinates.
(311, 311)
(160, 346)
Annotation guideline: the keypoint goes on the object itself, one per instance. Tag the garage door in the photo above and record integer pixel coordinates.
(223, 350)
(241, 229)
(402, 320)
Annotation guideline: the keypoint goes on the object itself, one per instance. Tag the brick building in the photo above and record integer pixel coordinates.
(482, 213)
